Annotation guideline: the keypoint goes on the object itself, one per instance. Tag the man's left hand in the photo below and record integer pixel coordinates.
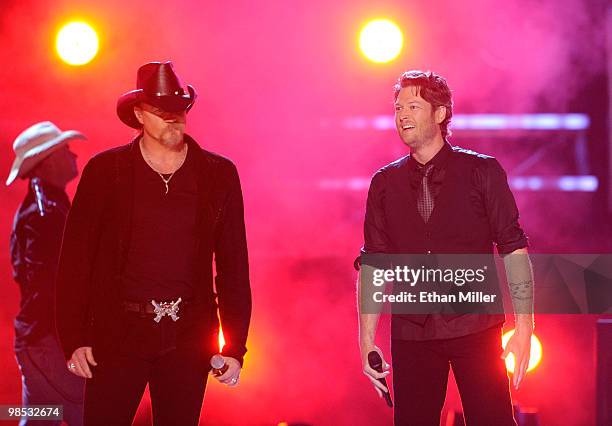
(520, 345)
(232, 376)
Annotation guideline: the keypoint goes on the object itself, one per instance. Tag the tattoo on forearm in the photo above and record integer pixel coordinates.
(520, 282)
(522, 290)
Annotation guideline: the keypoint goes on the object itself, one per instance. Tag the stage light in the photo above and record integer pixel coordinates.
(489, 122)
(381, 40)
(536, 352)
(77, 43)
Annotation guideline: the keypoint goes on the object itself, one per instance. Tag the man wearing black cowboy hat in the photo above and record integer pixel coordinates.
(135, 297)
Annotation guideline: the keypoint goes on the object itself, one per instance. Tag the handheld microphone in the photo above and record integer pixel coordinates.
(375, 362)
(218, 365)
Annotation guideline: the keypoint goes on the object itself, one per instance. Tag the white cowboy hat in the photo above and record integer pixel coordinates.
(35, 144)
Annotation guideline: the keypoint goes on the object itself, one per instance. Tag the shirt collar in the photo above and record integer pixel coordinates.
(438, 160)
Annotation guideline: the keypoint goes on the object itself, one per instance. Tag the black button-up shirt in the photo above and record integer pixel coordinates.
(474, 210)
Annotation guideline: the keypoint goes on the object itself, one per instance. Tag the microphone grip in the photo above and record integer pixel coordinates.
(375, 362)
(220, 371)
(219, 367)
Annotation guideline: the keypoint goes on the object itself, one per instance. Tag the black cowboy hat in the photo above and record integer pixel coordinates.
(158, 85)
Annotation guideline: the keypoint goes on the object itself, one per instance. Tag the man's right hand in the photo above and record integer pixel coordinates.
(78, 364)
(372, 374)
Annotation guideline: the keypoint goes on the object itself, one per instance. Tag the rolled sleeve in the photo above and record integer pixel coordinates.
(502, 211)
(375, 236)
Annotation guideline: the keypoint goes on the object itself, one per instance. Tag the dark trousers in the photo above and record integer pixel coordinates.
(420, 376)
(149, 353)
(47, 381)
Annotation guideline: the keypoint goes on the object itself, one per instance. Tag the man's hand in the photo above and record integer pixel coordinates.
(372, 374)
(520, 345)
(78, 364)
(232, 376)
(368, 323)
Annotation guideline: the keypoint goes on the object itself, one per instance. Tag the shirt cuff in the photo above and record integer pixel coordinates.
(507, 248)
(234, 352)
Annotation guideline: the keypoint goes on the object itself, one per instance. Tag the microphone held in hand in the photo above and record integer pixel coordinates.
(218, 365)
(375, 362)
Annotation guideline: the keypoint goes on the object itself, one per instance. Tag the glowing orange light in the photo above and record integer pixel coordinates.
(221, 339)
(77, 43)
(381, 40)
(536, 352)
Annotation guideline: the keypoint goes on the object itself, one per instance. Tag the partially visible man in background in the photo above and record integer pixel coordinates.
(43, 156)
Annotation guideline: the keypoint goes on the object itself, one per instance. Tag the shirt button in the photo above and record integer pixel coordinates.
(428, 251)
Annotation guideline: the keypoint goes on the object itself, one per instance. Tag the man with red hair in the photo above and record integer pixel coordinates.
(442, 199)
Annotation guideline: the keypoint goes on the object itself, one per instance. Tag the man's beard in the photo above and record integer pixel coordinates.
(422, 138)
(171, 136)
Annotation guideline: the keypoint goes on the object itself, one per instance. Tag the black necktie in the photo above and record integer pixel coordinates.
(425, 200)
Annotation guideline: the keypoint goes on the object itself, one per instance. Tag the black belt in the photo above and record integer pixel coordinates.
(147, 308)
(140, 307)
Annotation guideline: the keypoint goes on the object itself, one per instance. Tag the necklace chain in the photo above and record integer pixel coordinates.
(166, 181)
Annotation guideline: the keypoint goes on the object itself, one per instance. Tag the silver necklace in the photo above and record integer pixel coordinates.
(166, 181)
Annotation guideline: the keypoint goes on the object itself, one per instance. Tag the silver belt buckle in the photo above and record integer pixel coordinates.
(163, 309)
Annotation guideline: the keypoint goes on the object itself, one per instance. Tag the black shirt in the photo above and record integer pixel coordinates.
(160, 263)
(474, 210)
(35, 245)
(96, 245)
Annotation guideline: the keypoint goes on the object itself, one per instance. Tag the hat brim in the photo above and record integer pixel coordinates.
(127, 102)
(32, 157)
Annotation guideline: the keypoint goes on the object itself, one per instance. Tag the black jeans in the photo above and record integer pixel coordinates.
(420, 376)
(149, 353)
(47, 381)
